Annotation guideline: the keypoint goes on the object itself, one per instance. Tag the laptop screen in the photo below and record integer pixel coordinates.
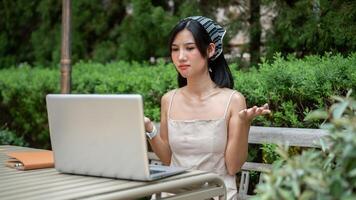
(100, 135)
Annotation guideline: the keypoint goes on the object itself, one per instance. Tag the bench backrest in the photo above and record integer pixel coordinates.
(301, 137)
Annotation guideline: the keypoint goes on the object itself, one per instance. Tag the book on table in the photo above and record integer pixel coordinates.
(27, 160)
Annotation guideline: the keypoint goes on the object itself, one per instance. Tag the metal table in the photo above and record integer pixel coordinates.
(50, 184)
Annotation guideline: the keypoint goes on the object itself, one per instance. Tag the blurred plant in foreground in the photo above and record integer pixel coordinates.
(326, 174)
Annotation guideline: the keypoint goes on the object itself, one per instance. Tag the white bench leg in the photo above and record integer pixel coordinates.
(245, 179)
(260, 179)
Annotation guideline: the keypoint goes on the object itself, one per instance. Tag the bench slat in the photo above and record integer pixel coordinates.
(302, 137)
(258, 167)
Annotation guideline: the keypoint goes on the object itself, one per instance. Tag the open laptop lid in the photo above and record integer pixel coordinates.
(100, 135)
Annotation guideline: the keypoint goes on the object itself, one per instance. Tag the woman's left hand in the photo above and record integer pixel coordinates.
(250, 113)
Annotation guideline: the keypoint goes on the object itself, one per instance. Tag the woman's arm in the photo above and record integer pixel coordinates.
(238, 128)
(237, 142)
(160, 143)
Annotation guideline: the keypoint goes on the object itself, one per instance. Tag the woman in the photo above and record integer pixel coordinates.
(204, 123)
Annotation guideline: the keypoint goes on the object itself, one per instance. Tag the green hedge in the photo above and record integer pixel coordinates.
(22, 102)
(291, 86)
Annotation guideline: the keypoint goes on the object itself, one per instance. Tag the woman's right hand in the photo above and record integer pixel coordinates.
(148, 124)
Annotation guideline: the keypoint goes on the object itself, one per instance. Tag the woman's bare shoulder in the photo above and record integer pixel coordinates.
(167, 97)
(238, 101)
(237, 96)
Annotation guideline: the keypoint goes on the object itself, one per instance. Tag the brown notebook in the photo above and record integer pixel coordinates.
(26, 160)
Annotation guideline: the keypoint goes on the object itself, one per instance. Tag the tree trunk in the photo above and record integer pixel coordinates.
(66, 50)
(255, 32)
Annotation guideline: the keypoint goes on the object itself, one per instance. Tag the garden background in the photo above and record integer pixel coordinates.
(306, 56)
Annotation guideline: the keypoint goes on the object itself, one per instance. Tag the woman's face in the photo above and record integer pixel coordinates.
(186, 55)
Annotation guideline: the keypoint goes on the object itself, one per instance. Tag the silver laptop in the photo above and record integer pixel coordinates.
(101, 135)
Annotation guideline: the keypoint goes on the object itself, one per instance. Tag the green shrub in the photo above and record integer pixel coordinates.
(22, 102)
(269, 153)
(23, 91)
(9, 138)
(292, 87)
(123, 77)
(327, 174)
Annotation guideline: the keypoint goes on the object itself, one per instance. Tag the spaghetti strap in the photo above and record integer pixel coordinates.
(228, 103)
(170, 103)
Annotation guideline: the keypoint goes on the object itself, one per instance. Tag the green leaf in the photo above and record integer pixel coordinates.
(318, 114)
(336, 187)
(307, 195)
(296, 188)
(339, 109)
(337, 98)
(285, 194)
(352, 173)
(349, 93)
(322, 144)
(350, 197)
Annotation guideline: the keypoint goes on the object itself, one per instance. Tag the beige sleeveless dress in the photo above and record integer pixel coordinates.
(200, 144)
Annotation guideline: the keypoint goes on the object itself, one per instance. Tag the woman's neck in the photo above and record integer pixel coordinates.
(201, 87)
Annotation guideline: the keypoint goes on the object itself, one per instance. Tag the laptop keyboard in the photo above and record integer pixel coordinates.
(152, 171)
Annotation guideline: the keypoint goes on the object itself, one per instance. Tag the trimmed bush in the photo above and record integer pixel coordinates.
(292, 87)
(23, 91)
(9, 138)
(22, 102)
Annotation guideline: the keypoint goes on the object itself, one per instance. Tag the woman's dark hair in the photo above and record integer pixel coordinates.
(221, 74)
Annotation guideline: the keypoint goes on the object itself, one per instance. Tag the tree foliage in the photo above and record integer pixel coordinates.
(307, 27)
(144, 33)
(35, 37)
(108, 30)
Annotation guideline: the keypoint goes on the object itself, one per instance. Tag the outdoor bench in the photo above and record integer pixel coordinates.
(299, 137)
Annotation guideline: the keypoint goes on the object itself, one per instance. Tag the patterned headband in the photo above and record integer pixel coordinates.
(215, 31)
